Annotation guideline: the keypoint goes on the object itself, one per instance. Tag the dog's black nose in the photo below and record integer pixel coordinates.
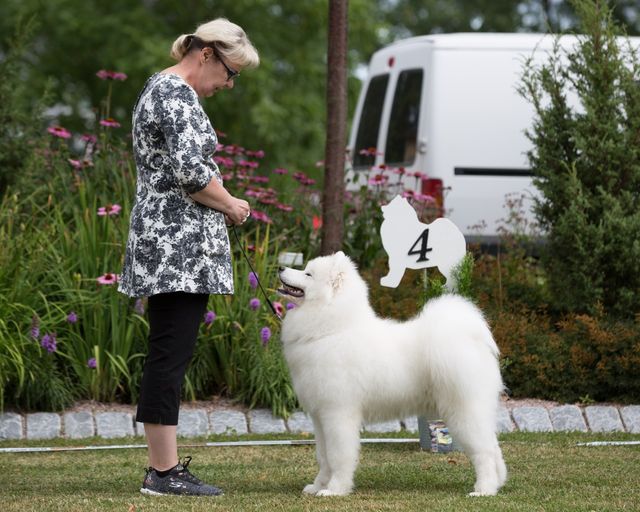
(280, 269)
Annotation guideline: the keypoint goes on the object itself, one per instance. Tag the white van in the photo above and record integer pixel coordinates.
(447, 105)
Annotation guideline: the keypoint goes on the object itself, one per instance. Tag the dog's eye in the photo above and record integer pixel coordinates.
(307, 274)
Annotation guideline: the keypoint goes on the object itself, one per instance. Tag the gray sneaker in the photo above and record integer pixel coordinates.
(178, 482)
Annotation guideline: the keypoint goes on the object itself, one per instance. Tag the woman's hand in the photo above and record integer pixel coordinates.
(237, 211)
(215, 196)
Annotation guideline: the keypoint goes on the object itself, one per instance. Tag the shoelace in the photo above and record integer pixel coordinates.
(183, 472)
(186, 474)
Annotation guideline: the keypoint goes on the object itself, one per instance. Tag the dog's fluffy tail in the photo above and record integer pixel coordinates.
(458, 310)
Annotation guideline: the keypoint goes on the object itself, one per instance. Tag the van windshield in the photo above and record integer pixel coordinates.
(402, 134)
(369, 128)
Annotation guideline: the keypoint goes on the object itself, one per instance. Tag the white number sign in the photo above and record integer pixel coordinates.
(411, 244)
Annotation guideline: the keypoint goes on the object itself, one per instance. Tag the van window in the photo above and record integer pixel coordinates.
(402, 135)
(370, 121)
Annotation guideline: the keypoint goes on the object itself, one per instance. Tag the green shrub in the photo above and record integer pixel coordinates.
(578, 356)
(586, 162)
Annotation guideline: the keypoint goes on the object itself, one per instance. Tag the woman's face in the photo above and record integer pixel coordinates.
(214, 74)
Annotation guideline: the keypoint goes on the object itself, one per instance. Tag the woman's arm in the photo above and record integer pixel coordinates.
(215, 196)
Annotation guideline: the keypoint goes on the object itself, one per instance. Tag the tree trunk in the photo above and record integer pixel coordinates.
(334, 157)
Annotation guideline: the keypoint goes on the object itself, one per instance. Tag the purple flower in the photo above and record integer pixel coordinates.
(91, 363)
(48, 342)
(254, 303)
(138, 307)
(35, 327)
(265, 335)
(290, 305)
(253, 280)
(72, 317)
(209, 317)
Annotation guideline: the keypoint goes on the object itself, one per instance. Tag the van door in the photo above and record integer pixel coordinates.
(390, 125)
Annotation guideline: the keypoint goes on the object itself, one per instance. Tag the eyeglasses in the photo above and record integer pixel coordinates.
(231, 73)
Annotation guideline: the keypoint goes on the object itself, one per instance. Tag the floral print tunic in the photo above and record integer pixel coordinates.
(175, 243)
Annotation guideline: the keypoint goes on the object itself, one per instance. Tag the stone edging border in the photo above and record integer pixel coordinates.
(202, 422)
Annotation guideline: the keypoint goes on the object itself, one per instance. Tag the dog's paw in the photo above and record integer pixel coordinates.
(310, 489)
(483, 493)
(329, 492)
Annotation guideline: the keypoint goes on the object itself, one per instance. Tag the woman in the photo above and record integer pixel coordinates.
(178, 249)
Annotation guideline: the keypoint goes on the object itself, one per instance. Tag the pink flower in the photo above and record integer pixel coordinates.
(249, 164)
(110, 209)
(256, 154)
(316, 222)
(378, 179)
(224, 161)
(107, 278)
(103, 74)
(110, 123)
(234, 150)
(280, 170)
(399, 170)
(369, 152)
(261, 216)
(76, 164)
(59, 131)
(221, 134)
(88, 137)
(299, 176)
(284, 207)
(279, 308)
(425, 198)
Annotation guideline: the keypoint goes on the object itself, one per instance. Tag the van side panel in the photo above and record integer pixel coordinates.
(477, 122)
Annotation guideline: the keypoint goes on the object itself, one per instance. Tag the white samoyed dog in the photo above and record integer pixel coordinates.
(349, 366)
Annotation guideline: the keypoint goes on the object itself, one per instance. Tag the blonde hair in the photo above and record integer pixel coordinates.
(229, 39)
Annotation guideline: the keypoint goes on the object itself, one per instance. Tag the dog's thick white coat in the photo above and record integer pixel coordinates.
(349, 366)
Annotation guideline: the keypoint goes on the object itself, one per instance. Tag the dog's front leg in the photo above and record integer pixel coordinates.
(341, 433)
(322, 479)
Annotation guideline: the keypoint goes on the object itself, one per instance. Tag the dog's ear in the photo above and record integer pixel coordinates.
(338, 272)
(337, 278)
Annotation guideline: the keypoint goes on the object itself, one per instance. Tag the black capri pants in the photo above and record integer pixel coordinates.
(174, 320)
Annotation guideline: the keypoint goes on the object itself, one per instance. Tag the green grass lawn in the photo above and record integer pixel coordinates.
(547, 472)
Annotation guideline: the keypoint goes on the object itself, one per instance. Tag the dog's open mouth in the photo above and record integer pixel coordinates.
(290, 290)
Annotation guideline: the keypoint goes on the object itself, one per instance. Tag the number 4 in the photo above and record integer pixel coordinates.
(422, 239)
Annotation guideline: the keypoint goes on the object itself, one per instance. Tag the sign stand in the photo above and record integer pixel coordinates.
(412, 244)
